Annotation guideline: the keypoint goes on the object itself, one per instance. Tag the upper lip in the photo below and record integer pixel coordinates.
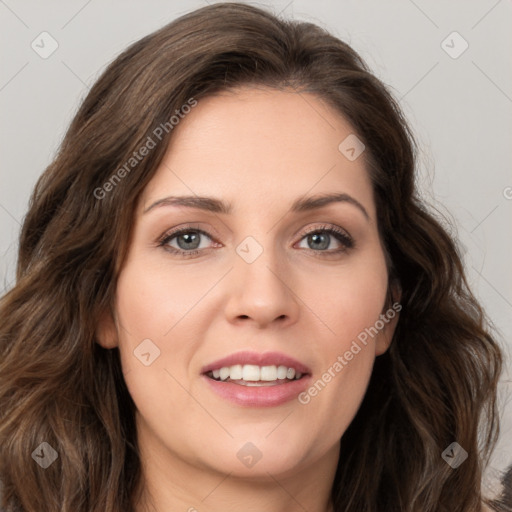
(259, 359)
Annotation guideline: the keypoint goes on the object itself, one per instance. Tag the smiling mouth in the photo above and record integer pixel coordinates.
(254, 375)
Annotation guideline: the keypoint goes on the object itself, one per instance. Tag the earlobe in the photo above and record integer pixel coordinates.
(106, 332)
(385, 336)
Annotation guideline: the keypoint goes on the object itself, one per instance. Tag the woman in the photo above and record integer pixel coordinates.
(229, 293)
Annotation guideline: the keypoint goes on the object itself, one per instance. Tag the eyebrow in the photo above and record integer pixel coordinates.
(214, 205)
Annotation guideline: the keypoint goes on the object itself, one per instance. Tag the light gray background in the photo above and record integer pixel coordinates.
(460, 109)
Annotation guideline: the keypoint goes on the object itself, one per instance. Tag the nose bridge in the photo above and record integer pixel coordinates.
(261, 291)
(257, 264)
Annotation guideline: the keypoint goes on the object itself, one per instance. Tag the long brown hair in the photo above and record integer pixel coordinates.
(435, 385)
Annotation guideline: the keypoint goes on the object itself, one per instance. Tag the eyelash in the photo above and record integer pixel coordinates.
(341, 236)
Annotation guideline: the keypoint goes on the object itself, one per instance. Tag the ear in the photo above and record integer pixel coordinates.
(389, 317)
(106, 332)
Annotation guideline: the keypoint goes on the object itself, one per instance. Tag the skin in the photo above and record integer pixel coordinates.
(258, 149)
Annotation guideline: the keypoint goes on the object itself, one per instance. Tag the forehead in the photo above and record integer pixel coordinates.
(260, 146)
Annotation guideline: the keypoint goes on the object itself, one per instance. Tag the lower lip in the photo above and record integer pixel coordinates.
(258, 396)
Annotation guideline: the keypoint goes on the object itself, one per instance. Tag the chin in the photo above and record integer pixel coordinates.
(257, 455)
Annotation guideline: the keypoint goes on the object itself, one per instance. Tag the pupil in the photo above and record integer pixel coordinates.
(316, 237)
(189, 240)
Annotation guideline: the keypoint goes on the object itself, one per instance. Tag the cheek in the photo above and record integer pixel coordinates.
(349, 305)
(153, 298)
(149, 304)
(159, 330)
(349, 299)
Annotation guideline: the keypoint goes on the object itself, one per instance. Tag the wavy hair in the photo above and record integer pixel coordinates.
(435, 385)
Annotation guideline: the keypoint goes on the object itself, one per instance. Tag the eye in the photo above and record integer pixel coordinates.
(319, 239)
(188, 241)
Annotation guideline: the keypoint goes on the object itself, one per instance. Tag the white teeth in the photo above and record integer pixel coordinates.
(268, 373)
(251, 372)
(235, 372)
(255, 373)
(281, 372)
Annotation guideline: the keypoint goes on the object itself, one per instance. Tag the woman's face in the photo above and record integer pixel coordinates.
(257, 279)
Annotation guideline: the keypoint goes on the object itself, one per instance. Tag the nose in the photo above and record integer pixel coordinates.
(261, 292)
